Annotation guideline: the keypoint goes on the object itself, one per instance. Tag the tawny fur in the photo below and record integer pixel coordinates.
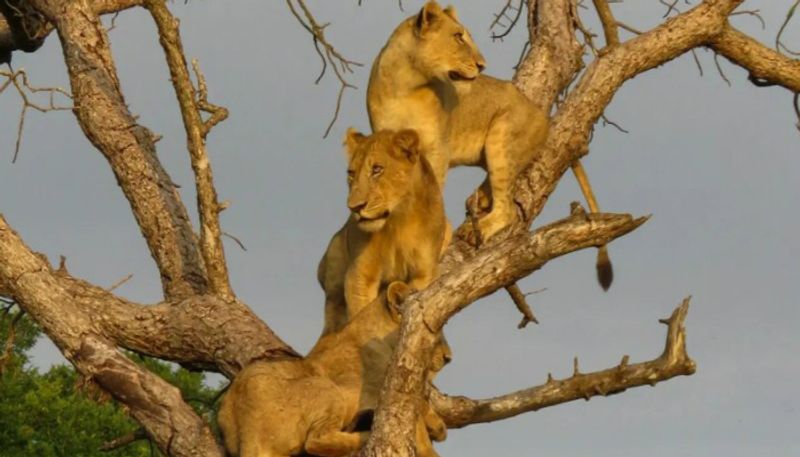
(396, 228)
(427, 78)
(283, 408)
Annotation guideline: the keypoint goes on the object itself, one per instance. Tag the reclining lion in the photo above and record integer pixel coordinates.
(283, 408)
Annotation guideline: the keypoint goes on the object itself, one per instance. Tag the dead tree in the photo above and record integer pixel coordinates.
(201, 324)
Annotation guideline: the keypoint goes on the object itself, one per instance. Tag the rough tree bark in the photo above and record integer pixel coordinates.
(201, 324)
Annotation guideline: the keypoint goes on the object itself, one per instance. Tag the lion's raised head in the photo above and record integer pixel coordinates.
(444, 48)
(380, 173)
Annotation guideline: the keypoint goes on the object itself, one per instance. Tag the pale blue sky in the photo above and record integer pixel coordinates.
(717, 166)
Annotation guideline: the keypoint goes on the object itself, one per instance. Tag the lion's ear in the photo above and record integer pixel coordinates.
(407, 141)
(451, 11)
(396, 294)
(352, 139)
(428, 15)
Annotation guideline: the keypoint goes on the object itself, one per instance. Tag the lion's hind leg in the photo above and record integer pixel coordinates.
(501, 173)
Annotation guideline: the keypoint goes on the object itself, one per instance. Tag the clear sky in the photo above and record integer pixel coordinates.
(717, 166)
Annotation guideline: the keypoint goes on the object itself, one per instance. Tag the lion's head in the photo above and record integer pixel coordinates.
(380, 174)
(444, 49)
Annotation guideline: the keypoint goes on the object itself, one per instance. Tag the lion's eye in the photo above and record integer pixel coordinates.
(459, 37)
(350, 175)
(376, 170)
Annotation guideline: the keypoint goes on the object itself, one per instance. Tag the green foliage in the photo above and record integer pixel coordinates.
(46, 414)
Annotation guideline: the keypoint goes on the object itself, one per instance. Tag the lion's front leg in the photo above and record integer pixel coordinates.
(434, 424)
(361, 285)
(335, 443)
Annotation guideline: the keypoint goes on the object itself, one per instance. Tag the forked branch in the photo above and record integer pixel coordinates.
(610, 30)
(779, 44)
(506, 19)
(196, 129)
(766, 66)
(24, 89)
(328, 55)
(427, 311)
(128, 146)
(459, 411)
(80, 336)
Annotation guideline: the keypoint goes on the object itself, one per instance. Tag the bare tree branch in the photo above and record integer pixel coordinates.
(503, 15)
(201, 332)
(120, 282)
(752, 13)
(171, 423)
(207, 205)
(461, 411)
(427, 311)
(129, 147)
(328, 54)
(522, 305)
(778, 41)
(670, 7)
(554, 56)
(764, 64)
(607, 20)
(26, 32)
(570, 129)
(218, 113)
(627, 27)
(12, 78)
(157, 405)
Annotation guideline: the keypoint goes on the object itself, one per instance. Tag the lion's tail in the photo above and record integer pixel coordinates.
(605, 272)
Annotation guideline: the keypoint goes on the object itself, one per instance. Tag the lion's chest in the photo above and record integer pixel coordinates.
(398, 263)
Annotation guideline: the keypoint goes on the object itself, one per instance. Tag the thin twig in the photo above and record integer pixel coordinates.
(588, 35)
(697, 61)
(522, 54)
(113, 24)
(607, 121)
(719, 69)
(328, 54)
(778, 43)
(120, 282)
(24, 89)
(628, 28)
(218, 113)
(503, 14)
(237, 240)
(670, 7)
(754, 13)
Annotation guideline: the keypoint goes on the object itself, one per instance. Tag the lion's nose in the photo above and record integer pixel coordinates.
(448, 358)
(356, 207)
(481, 65)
